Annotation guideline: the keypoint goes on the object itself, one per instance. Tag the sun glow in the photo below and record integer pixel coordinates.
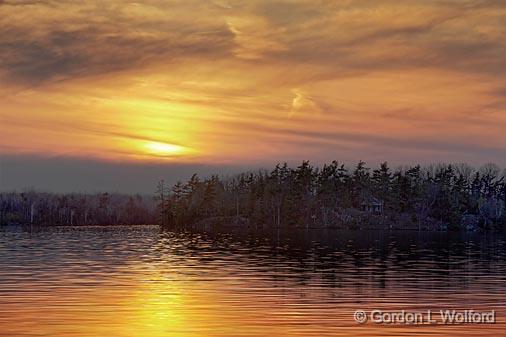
(164, 149)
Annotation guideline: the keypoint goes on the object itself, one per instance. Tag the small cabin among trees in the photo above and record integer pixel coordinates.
(372, 205)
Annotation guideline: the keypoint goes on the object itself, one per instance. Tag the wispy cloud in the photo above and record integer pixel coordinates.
(53, 40)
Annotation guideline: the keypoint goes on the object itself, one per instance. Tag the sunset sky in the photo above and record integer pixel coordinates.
(95, 92)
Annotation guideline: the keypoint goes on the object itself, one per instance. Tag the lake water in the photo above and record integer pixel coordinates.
(141, 281)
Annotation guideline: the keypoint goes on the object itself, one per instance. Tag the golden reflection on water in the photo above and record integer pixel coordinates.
(146, 283)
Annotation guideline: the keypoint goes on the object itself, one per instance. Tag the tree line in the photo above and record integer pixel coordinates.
(443, 196)
(31, 207)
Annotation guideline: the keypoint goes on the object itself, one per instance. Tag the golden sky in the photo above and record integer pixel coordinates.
(221, 82)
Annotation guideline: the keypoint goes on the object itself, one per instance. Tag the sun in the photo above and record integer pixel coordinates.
(164, 149)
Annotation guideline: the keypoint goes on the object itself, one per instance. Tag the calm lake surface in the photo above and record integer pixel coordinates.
(142, 281)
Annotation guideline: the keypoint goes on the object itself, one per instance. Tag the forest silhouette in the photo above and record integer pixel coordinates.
(434, 197)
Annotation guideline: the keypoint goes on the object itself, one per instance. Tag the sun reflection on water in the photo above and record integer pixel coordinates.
(138, 283)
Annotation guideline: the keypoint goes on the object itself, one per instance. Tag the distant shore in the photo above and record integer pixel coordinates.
(433, 198)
